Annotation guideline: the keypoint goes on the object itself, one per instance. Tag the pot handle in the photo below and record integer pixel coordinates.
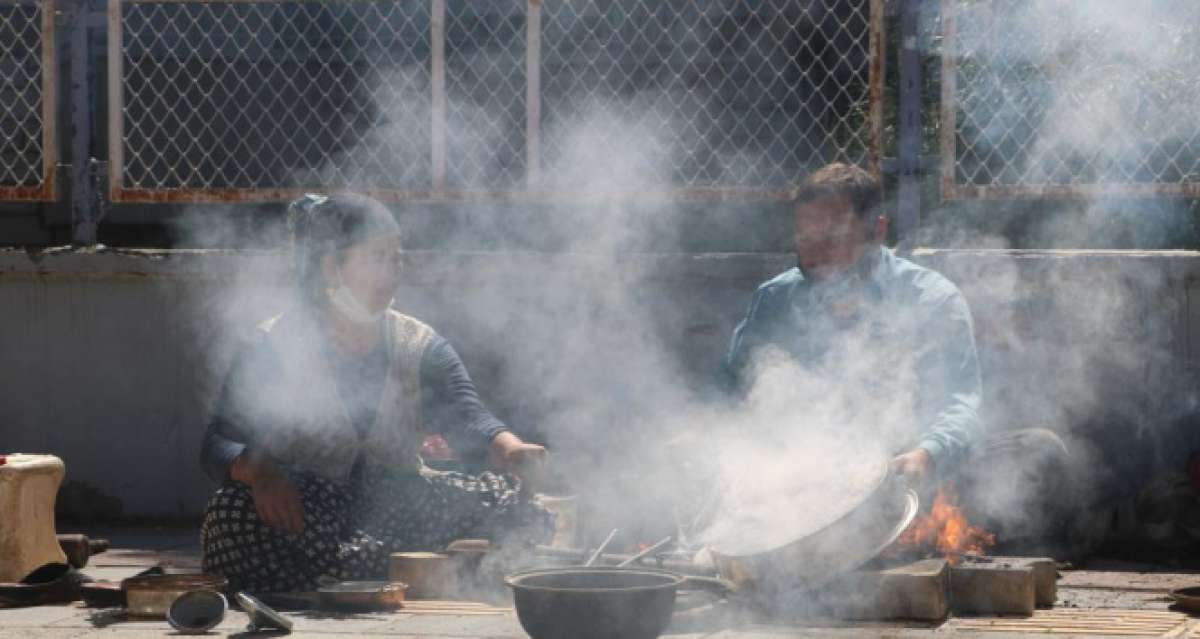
(714, 585)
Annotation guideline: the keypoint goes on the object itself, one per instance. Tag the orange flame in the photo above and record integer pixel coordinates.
(946, 529)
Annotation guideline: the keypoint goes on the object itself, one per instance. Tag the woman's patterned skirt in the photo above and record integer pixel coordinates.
(350, 531)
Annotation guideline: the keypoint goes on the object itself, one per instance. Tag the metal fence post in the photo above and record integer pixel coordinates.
(85, 209)
(908, 197)
(437, 73)
(533, 93)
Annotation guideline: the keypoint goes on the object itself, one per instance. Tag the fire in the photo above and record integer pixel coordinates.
(946, 529)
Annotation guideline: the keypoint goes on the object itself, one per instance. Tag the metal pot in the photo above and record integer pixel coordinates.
(594, 602)
(834, 550)
(152, 595)
(361, 595)
(429, 575)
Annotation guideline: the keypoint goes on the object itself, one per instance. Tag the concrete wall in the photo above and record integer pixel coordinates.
(113, 360)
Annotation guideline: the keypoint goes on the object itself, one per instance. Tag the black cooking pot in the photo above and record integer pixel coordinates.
(594, 603)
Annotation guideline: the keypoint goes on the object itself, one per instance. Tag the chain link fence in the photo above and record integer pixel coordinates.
(1052, 98)
(27, 82)
(451, 99)
(710, 94)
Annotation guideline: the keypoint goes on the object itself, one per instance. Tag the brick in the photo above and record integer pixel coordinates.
(915, 591)
(992, 587)
(1045, 577)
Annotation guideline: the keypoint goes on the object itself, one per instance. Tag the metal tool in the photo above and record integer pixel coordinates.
(658, 544)
(595, 555)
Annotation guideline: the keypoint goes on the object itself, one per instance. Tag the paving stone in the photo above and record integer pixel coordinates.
(505, 625)
(991, 588)
(1045, 577)
(41, 633)
(915, 591)
(317, 621)
(36, 616)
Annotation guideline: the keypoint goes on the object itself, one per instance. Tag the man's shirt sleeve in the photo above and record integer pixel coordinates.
(950, 386)
(733, 366)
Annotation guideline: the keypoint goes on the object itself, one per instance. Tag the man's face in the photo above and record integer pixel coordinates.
(829, 236)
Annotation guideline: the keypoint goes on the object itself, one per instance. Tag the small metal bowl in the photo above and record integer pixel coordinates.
(362, 595)
(197, 611)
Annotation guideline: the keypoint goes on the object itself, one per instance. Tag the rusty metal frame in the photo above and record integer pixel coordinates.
(948, 143)
(437, 192)
(46, 191)
(877, 52)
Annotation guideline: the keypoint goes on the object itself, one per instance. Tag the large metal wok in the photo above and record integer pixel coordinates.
(862, 523)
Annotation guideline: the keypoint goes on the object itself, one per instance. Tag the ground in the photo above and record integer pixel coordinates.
(1106, 598)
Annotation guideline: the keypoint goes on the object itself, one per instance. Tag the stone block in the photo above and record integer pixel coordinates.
(992, 588)
(28, 486)
(1045, 575)
(915, 591)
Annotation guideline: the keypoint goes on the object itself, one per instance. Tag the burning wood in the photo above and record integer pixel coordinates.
(945, 530)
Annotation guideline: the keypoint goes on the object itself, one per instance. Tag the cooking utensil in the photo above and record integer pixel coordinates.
(658, 544)
(361, 595)
(467, 555)
(197, 611)
(594, 603)
(834, 550)
(1187, 598)
(429, 575)
(262, 617)
(607, 540)
(152, 595)
(109, 594)
(574, 556)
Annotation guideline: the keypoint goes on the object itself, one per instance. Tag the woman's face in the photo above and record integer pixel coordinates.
(371, 270)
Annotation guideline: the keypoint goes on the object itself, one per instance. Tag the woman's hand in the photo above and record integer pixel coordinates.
(512, 455)
(275, 496)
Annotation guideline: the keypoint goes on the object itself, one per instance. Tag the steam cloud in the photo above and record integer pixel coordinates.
(589, 345)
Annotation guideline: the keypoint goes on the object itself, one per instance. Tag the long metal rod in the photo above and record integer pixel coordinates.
(437, 73)
(949, 106)
(49, 103)
(876, 56)
(533, 93)
(202, 195)
(116, 101)
(908, 196)
(658, 544)
(83, 198)
(595, 555)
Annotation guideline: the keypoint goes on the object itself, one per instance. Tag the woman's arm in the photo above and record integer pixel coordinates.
(451, 404)
(229, 432)
(453, 409)
(221, 446)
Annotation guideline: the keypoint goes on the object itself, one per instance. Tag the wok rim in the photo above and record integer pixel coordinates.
(513, 580)
(879, 491)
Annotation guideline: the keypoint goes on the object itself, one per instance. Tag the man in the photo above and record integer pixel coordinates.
(877, 329)
(847, 279)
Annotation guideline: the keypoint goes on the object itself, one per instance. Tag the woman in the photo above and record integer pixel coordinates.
(318, 430)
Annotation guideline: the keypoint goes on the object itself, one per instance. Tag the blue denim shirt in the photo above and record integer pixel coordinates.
(906, 308)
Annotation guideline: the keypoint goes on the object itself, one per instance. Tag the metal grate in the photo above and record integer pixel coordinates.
(1051, 98)
(485, 94)
(27, 76)
(256, 100)
(446, 99)
(746, 94)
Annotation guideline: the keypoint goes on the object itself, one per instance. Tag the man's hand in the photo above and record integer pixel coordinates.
(914, 466)
(275, 496)
(510, 454)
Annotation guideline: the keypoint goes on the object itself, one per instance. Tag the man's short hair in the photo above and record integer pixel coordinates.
(861, 189)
